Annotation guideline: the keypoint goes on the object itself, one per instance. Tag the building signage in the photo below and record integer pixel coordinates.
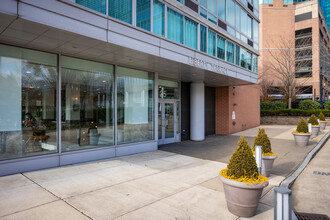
(207, 65)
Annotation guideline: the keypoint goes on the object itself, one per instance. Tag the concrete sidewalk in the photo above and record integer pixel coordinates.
(311, 190)
(154, 185)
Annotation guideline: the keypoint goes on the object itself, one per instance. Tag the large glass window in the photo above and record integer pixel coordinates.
(158, 18)
(238, 18)
(143, 14)
(28, 102)
(121, 9)
(190, 35)
(249, 60)
(249, 27)
(255, 63)
(87, 104)
(231, 12)
(243, 58)
(203, 34)
(230, 52)
(244, 22)
(211, 43)
(222, 9)
(99, 5)
(237, 59)
(221, 48)
(255, 31)
(135, 105)
(287, 2)
(174, 26)
(212, 6)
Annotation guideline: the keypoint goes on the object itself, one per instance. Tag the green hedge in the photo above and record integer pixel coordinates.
(309, 105)
(293, 112)
(273, 105)
(326, 105)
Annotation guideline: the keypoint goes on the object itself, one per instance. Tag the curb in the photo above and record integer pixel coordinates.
(287, 183)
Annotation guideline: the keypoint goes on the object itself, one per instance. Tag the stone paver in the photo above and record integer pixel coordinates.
(310, 191)
(153, 185)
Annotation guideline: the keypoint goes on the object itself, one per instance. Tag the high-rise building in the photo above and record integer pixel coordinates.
(83, 80)
(294, 38)
(325, 5)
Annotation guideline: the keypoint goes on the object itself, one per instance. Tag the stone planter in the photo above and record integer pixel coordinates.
(315, 130)
(302, 140)
(323, 124)
(242, 199)
(267, 165)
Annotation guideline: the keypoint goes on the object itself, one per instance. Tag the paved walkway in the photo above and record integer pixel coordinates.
(154, 185)
(311, 190)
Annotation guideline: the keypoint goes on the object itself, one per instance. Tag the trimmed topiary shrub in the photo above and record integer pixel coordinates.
(242, 163)
(302, 126)
(262, 140)
(309, 105)
(313, 120)
(273, 105)
(321, 117)
(326, 105)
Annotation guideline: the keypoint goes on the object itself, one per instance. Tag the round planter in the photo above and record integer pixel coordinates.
(302, 140)
(242, 199)
(315, 130)
(323, 124)
(267, 165)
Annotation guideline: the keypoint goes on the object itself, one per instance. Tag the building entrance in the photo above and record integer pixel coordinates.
(168, 112)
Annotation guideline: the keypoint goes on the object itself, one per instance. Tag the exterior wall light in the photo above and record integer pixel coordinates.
(282, 204)
(258, 157)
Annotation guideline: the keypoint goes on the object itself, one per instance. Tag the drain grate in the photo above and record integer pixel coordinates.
(311, 216)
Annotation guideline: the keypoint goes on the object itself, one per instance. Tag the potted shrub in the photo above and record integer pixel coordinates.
(242, 182)
(315, 125)
(323, 122)
(301, 134)
(268, 156)
(93, 134)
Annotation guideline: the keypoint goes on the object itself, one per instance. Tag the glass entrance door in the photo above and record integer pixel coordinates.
(167, 122)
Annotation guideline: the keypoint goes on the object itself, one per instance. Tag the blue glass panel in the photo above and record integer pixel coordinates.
(212, 18)
(237, 55)
(222, 9)
(190, 34)
(287, 2)
(143, 12)
(203, 12)
(212, 6)
(211, 43)
(255, 63)
(249, 60)
(174, 26)
(221, 48)
(243, 58)
(121, 9)
(158, 18)
(204, 3)
(99, 6)
(230, 52)
(231, 12)
(255, 31)
(203, 34)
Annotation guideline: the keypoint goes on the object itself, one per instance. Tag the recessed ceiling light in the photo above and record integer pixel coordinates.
(104, 81)
(28, 72)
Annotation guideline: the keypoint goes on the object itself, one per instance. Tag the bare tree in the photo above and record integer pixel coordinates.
(266, 85)
(289, 58)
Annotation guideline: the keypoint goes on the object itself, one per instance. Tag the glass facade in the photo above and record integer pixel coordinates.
(28, 90)
(203, 34)
(287, 2)
(143, 12)
(190, 33)
(230, 52)
(211, 43)
(184, 30)
(99, 5)
(121, 9)
(87, 104)
(135, 105)
(221, 44)
(168, 89)
(174, 26)
(158, 18)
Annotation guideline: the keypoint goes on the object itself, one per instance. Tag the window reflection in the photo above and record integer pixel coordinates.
(28, 102)
(87, 104)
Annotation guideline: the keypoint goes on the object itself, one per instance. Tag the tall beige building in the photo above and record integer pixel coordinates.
(296, 31)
